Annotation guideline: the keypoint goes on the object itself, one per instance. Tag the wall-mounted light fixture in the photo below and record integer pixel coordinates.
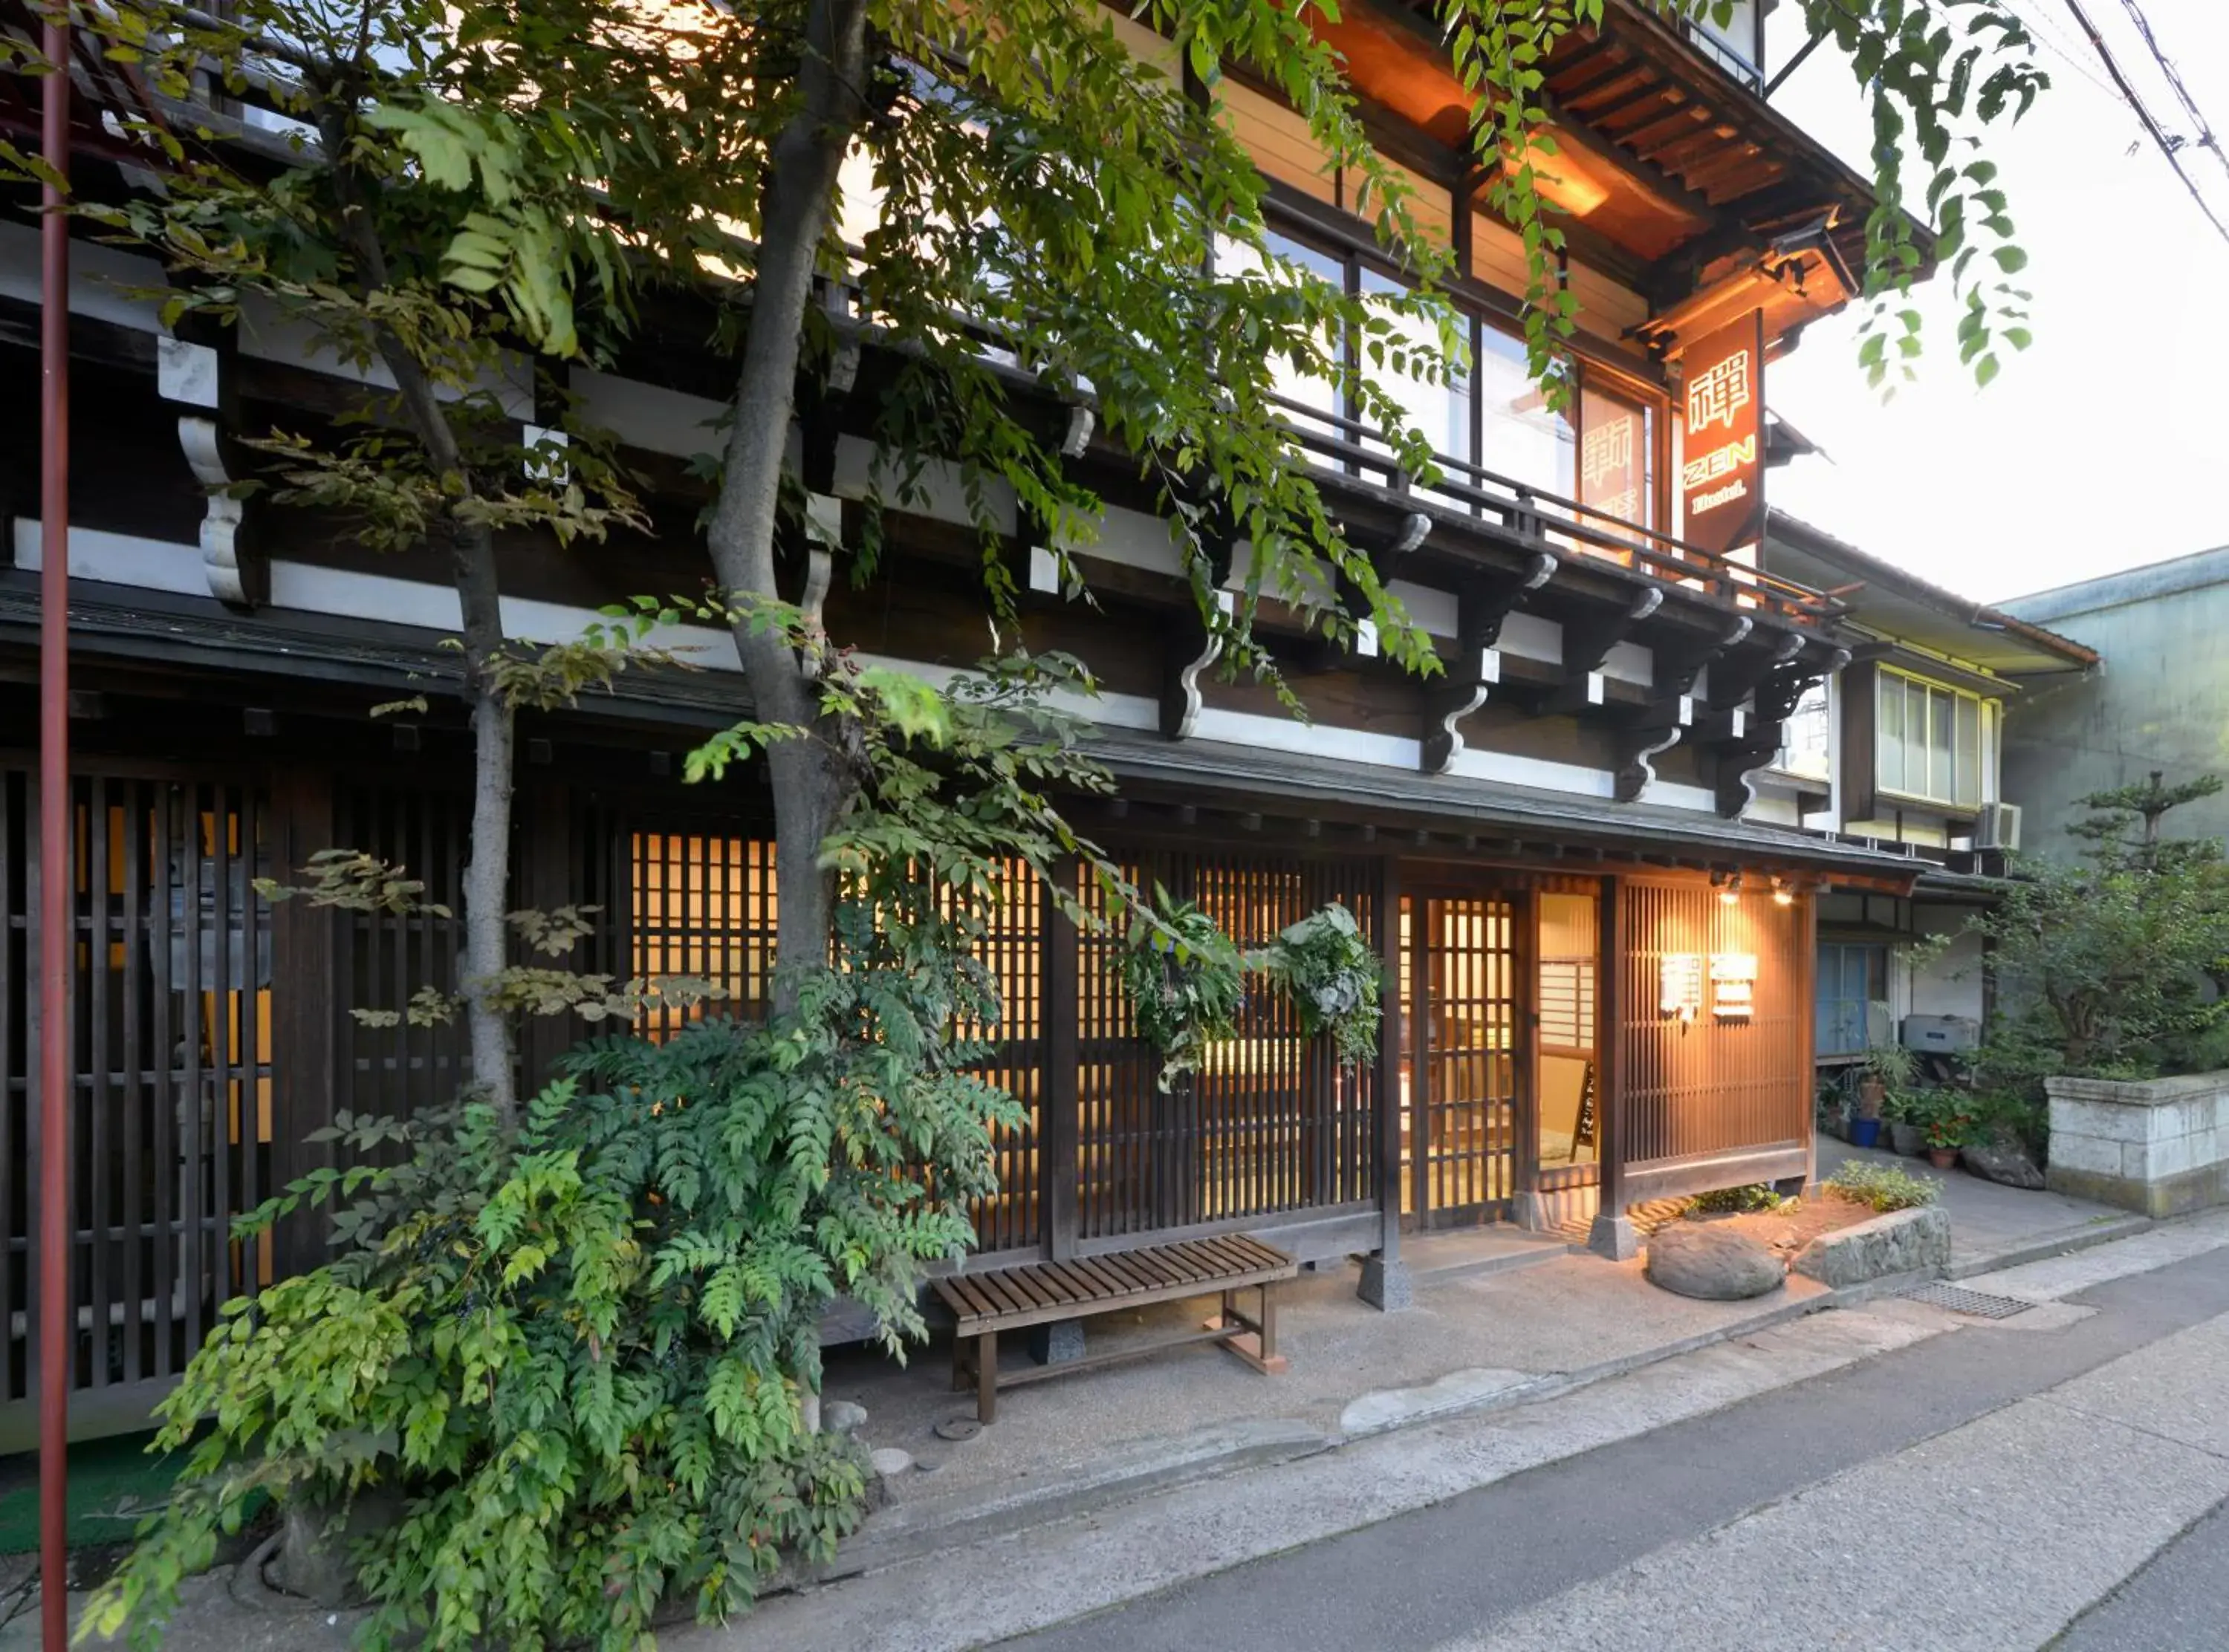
(1783, 893)
(1730, 895)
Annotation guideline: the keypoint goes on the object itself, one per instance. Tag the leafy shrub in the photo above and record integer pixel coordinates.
(1724, 1201)
(2009, 1116)
(1884, 1187)
(580, 1352)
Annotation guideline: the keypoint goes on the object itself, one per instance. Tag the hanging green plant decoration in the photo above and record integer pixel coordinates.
(1186, 981)
(1334, 978)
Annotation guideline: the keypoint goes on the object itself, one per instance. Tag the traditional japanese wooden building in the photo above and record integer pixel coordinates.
(1602, 940)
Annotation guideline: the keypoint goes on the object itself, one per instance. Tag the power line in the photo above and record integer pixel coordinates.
(2152, 127)
(2206, 139)
(2047, 37)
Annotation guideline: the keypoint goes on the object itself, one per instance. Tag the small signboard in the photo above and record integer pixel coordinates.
(1733, 985)
(1682, 981)
(1722, 450)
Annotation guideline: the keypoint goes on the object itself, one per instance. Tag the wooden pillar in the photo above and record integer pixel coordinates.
(1058, 1121)
(305, 970)
(1613, 1233)
(1807, 1001)
(548, 876)
(1385, 1283)
(1524, 1057)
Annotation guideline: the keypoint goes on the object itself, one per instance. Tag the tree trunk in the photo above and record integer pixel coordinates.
(471, 556)
(487, 876)
(812, 780)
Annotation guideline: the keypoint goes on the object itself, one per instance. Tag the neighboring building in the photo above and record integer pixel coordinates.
(1903, 748)
(1581, 851)
(2161, 702)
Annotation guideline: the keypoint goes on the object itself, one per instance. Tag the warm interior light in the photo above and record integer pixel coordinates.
(1559, 176)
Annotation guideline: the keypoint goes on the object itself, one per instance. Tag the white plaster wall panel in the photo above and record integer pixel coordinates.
(118, 559)
(940, 493)
(1630, 663)
(1528, 637)
(268, 335)
(648, 416)
(1434, 610)
(103, 279)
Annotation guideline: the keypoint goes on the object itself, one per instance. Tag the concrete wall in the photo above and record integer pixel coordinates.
(2160, 1147)
(2160, 700)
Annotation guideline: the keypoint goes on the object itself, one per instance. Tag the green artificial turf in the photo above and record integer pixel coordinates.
(112, 1484)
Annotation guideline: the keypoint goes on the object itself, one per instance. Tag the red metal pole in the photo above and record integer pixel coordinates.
(57, 1320)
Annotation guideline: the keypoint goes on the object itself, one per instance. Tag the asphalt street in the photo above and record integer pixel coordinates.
(1606, 1543)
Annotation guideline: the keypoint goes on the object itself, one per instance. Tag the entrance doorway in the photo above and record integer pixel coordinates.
(1460, 1070)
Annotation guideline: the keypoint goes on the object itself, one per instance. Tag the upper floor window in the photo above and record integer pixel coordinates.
(1738, 44)
(1933, 743)
(1810, 751)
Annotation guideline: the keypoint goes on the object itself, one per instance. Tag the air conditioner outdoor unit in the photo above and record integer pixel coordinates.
(1998, 827)
(1941, 1034)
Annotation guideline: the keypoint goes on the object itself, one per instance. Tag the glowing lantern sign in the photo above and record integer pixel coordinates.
(1722, 467)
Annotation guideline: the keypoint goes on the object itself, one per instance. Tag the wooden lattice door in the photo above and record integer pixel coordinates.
(1460, 1117)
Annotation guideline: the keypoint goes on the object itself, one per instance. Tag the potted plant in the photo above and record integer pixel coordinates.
(1187, 982)
(1334, 979)
(1887, 1067)
(1906, 1113)
(1950, 1130)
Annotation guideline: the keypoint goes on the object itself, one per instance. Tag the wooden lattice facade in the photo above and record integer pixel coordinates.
(1523, 1050)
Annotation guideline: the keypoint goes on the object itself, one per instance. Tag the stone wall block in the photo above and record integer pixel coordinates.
(2093, 1154)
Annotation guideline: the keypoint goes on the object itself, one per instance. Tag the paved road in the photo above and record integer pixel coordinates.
(2053, 1462)
(2180, 1602)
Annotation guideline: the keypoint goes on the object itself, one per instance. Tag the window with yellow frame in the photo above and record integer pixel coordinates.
(1933, 743)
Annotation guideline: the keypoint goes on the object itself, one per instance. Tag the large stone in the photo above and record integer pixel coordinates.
(316, 1560)
(1904, 1241)
(2006, 1164)
(1059, 1342)
(1713, 1263)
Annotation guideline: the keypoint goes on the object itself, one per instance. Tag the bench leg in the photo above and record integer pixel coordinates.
(986, 1377)
(1252, 1341)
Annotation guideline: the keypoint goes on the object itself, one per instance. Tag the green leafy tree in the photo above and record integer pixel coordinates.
(487, 172)
(451, 260)
(576, 1350)
(2109, 966)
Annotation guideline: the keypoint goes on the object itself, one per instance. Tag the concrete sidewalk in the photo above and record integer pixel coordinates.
(1996, 1226)
(1502, 1321)
(1474, 1340)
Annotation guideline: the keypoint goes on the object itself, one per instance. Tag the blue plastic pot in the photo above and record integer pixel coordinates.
(1865, 1133)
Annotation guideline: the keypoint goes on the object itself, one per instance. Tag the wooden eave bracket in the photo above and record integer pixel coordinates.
(1744, 755)
(1387, 550)
(1587, 645)
(201, 381)
(1474, 664)
(1640, 744)
(1668, 714)
(1194, 643)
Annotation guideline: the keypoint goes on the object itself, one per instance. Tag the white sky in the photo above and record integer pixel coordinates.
(2106, 444)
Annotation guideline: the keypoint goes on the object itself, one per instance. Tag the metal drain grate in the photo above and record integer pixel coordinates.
(1977, 1304)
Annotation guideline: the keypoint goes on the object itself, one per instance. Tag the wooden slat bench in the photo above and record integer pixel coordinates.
(1039, 1293)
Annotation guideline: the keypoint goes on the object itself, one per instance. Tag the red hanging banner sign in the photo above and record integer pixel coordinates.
(1722, 467)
